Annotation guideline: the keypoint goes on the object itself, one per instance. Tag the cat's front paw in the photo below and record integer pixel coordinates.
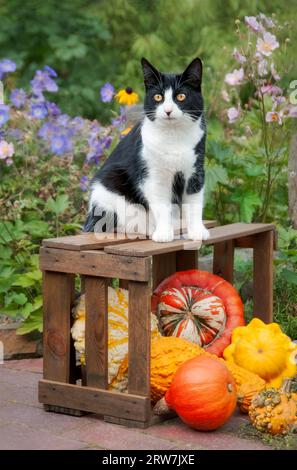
(163, 234)
(198, 233)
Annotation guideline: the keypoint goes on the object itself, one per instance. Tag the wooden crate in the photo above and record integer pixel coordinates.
(140, 265)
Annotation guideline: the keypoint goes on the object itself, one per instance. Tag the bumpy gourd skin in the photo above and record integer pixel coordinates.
(274, 411)
(264, 350)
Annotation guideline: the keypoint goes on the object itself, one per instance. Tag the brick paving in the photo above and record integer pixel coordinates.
(25, 425)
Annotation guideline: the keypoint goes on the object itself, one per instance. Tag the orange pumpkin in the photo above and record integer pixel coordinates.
(202, 393)
(199, 307)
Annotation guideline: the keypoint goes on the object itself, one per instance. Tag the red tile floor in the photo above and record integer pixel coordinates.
(25, 425)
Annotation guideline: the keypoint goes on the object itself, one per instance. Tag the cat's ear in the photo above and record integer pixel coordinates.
(150, 74)
(193, 72)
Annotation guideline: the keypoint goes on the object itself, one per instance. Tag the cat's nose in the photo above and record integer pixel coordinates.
(168, 112)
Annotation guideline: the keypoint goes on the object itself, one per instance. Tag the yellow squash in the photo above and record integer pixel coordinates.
(264, 350)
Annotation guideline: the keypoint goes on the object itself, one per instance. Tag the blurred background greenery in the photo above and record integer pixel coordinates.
(92, 42)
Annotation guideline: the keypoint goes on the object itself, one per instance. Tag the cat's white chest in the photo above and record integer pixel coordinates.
(171, 148)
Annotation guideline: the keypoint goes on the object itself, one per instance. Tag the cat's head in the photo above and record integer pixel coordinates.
(173, 98)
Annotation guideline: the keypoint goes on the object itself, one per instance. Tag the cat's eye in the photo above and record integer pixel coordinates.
(158, 97)
(181, 97)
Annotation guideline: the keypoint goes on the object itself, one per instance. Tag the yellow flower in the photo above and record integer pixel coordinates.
(126, 131)
(127, 96)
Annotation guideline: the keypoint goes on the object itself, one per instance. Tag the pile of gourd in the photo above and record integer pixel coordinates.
(210, 361)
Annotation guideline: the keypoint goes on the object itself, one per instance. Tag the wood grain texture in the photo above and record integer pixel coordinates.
(139, 338)
(58, 350)
(94, 263)
(163, 266)
(85, 241)
(263, 276)
(223, 260)
(217, 234)
(96, 339)
(94, 400)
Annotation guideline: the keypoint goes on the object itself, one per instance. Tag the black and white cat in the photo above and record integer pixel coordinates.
(159, 164)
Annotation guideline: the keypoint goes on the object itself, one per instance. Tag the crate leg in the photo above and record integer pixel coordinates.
(263, 276)
(223, 260)
(96, 332)
(163, 266)
(63, 410)
(59, 353)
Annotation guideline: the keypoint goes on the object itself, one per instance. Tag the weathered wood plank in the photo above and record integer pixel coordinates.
(96, 332)
(94, 400)
(139, 338)
(217, 234)
(263, 276)
(94, 263)
(58, 351)
(163, 266)
(223, 260)
(85, 241)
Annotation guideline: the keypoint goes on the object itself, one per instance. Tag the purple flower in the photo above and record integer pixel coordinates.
(60, 143)
(267, 44)
(50, 71)
(63, 120)
(6, 66)
(77, 124)
(235, 78)
(253, 24)
(277, 101)
(38, 110)
(120, 120)
(239, 57)
(53, 109)
(84, 183)
(47, 130)
(271, 90)
(262, 66)
(107, 93)
(233, 114)
(43, 82)
(106, 141)
(95, 150)
(15, 133)
(4, 114)
(267, 20)
(18, 97)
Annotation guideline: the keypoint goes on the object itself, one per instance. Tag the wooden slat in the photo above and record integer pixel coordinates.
(149, 247)
(95, 241)
(58, 351)
(263, 276)
(163, 266)
(223, 260)
(217, 234)
(139, 338)
(96, 332)
(85, 241)
(94, 400)
(94, 263)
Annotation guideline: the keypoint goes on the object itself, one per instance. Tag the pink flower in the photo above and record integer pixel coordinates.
(271, 90)
(253, 24)
(277, 101)
(273, 116)
(239, 57)
(274, 72)
(290, 111)
(6, 150)
(267, 20)
(233, 114)
(235, 77)
(266, 45)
